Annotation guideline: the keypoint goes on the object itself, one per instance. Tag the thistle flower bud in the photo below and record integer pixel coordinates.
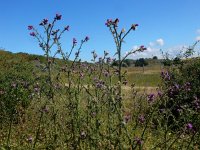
(123, 30)
(133, 27)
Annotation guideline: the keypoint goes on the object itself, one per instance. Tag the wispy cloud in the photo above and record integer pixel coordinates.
(160, 42)
(198, 31)
(153, 49)
(198, 38)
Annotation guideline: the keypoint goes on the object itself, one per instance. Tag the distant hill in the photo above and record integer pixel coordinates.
(7, 58)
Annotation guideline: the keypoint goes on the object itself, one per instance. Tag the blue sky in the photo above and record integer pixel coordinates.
(163, 24)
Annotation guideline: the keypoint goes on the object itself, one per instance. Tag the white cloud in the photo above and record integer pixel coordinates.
(149, 53)
(160, 42)
(198, 31)
(198, 38)
(151, 44)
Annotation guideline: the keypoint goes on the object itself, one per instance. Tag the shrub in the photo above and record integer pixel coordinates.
(141, 62)
(182, 92)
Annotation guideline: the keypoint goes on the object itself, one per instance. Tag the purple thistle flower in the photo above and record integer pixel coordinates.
(32, 34)
(106, 74)
(150, 97)
(45, 109)
(138, 141)
(160, 93)
(74, 41)
(133, 27)
(189, 126)
(76, 54)
(115, 23)
(142, 48)
(141, 119)
(109, 60)
(44, 22)
(30, 27)
(108, 22)
(66, 28)
(81, 75)
(58, 17)
(127, 118)
(87, 38)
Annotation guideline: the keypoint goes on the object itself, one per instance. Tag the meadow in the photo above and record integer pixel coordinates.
(50, 103)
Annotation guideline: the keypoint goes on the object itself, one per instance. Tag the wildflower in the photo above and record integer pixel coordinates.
(150, 97)
(189, 126)
(76, 54)
(83, 134)
(44, 22)
(94, 54)
(127, 118)
(74, 41)
(81, 75)
(66, 28)
(30, 27)
(108, 60)
(100, 59)
(142, 48)
(138, 141)
(30, 139)
(32, 34)
(115, 23)
(160, 93)
(133, 27)
(13, 85)
(187, 86)
(87, 38)
(141, 119)
(108, 22)
(45, 109)
(165, 75)
(55, 32)
(58, 17)
(106, 74)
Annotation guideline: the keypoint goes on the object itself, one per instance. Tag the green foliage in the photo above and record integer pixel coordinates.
(181, 85)
(176, 60)
(141, 62)
(155, 57)
(15, 90)
(167, 62)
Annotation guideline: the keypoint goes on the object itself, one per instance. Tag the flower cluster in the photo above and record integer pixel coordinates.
(110, 22)
(150, 97)
(165, 75)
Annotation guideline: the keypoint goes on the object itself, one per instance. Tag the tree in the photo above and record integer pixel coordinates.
(141, 62)
(155, 57)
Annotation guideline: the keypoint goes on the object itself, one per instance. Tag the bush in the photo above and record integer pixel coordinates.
(141, 62)
(155, 57)
(182, 93)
